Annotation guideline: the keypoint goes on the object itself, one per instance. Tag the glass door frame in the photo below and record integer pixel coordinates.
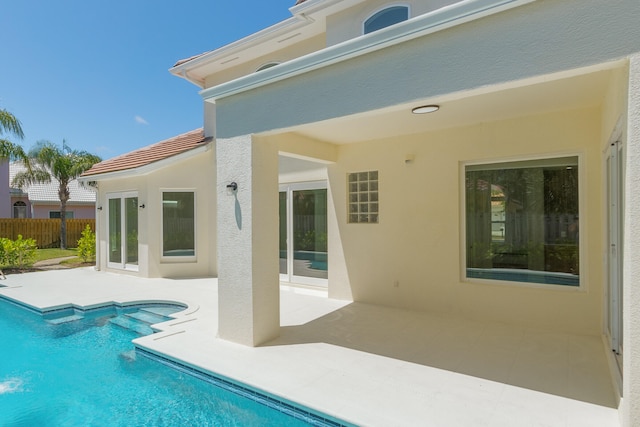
(123, 196)
(289, 189)
(615, 203)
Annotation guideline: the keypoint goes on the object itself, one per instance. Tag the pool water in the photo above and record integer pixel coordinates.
(87, 373)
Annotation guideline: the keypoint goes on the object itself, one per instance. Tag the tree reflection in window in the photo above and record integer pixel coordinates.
(522, 221)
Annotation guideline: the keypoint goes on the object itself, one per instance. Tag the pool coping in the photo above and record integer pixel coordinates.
(280, 404)
(262, 397)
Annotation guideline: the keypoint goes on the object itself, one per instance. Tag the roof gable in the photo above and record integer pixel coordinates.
(150, 154)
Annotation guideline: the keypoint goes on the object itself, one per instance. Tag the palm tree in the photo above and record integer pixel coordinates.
(48, 161)
(10, 124)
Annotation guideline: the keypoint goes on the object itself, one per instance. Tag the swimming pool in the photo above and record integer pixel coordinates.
(86, 372)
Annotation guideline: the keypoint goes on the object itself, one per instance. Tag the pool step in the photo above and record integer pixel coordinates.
(162, 311)
(132, 324)
(66, 319)
(147, 317)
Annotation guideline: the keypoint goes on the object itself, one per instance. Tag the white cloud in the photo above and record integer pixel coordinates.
(141, 120)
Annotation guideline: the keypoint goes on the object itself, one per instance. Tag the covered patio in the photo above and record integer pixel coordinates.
(362, 363)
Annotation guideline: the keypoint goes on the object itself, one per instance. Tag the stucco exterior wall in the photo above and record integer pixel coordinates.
(248, 285)
(196, 174)
(631, 275)
(614, 106)
(418, 239)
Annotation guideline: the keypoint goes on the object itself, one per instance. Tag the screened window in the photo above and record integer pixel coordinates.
(19, 209)
(385, 18)
(56, 214)
(522, 221)
(178, 224)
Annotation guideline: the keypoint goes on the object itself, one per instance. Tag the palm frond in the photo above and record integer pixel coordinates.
(24, 179)
(10, 124)
(12, 151)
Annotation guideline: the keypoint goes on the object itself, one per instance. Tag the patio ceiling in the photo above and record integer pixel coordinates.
(517, 99)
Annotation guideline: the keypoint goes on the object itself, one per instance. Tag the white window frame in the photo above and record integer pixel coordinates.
(289, 277)
(582, 221)
(123, 244)
(22, 207)
(380, 9)
(179, 258)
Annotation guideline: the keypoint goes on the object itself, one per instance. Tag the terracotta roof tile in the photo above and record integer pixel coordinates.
(183, 61)
(151, 153)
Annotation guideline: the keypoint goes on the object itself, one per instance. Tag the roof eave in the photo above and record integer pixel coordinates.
(304, 15)
(282, 28)
(441, 19)
(148, 168)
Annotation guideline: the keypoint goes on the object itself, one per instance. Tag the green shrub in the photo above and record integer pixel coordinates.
(20, 253)
(5, 252)
(87, 245)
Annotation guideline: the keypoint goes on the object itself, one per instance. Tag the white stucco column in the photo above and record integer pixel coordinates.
(631, 275)
(248, 276)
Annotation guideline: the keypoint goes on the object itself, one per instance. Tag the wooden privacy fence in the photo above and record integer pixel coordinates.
(46, 232)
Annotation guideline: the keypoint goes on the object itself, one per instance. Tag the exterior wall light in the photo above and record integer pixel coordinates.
(99, 208)
(425, 109)
(141, 206)
(232, 187)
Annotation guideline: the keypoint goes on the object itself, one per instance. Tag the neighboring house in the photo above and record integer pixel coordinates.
(476, 157)
(41, 200)
(5, 196)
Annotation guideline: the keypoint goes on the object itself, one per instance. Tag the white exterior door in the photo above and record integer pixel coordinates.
(122, 229)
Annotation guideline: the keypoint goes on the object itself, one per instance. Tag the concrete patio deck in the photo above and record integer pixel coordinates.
(365, 364)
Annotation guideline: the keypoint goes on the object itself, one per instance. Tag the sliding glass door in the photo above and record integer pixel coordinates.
(122, 229)
(303, 233)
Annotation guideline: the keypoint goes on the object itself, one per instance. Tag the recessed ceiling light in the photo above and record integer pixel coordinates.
(425, 109)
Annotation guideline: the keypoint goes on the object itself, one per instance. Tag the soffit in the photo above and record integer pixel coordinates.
(464, 109)
(308, 20)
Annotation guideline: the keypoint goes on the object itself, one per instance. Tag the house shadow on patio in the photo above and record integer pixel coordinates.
(562, 364)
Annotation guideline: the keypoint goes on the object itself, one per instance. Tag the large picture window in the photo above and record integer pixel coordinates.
(522, 221)
(178, 224)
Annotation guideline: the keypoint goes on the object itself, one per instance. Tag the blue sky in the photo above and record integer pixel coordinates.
(95, 73)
